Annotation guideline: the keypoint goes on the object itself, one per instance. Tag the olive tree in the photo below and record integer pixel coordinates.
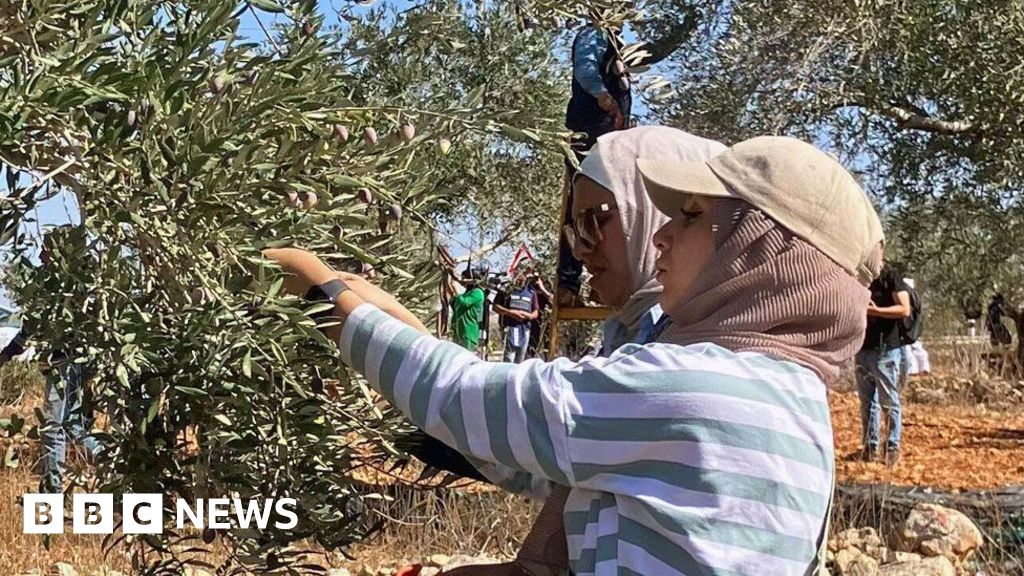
(192, 148)
(921, 99)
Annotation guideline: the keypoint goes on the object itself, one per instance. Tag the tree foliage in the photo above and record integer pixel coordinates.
(501, 180)
(923, 99)
(190, 149)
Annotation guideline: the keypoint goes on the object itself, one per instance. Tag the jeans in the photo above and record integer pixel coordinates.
(517, 340)
(62, 409)
(878, 385)
(569, 268)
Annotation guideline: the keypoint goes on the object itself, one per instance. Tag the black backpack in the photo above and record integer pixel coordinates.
(911, 326)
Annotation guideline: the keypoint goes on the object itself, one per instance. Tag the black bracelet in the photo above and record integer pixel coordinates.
(327, 292)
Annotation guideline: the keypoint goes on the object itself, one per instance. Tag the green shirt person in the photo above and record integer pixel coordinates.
(467, 311)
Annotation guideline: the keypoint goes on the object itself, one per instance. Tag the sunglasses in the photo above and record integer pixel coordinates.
(585, 229)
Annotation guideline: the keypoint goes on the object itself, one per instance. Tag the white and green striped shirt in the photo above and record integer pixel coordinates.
(682, 459)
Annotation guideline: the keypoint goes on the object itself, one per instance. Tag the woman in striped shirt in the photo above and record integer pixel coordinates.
(611, 232)
(706, 452)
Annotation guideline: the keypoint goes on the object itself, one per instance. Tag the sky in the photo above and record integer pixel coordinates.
(63, 209)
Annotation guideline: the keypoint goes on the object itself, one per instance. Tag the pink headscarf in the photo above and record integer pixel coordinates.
(766, 290)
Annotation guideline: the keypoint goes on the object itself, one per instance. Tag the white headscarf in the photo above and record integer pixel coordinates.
(612, 164)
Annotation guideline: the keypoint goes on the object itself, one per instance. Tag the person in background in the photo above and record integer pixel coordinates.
(600, 102)
(879, 364)
(708, 451)
(998, 333)
(65, 387)
(518, 308)
(544, 299)
(468, 311)
(915, 358)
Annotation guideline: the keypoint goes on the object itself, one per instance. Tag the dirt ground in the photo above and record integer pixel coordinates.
(945, 447)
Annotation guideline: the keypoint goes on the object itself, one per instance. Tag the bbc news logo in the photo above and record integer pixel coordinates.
(144, 513)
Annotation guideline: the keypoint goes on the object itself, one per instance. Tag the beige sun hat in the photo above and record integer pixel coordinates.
(797, 185)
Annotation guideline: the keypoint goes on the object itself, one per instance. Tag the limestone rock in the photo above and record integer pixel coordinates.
(863, 565)
(462, 560)
(440, 560)
(844, 559)
(61, 569)
(890, 556)
(860, 538)
(936, 566)
(932, 530)
(876, 552)
(906, 557)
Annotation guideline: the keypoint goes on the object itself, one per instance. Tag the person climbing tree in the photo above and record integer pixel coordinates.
(600, 103)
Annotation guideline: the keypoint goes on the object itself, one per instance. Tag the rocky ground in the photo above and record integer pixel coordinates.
(933, 541)
(945, 446)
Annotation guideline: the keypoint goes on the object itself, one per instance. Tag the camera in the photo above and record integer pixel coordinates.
(499, 281)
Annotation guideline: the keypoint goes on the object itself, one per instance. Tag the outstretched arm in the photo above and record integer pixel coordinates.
(305, 270)
(494, 413)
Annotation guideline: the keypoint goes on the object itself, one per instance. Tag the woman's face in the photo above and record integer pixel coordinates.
(607, 260)
(685, 244)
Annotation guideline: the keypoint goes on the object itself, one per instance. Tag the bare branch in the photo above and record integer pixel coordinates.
(484, 250)
(911, 121)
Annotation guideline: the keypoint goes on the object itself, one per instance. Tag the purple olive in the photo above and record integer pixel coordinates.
(341, 133)
(310, 200)
(395, 211)
(216, 85)
(293, 199)
(408, 132)
(370, 136)
(365, 196)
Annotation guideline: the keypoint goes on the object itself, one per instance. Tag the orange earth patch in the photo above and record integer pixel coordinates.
(946, 447)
